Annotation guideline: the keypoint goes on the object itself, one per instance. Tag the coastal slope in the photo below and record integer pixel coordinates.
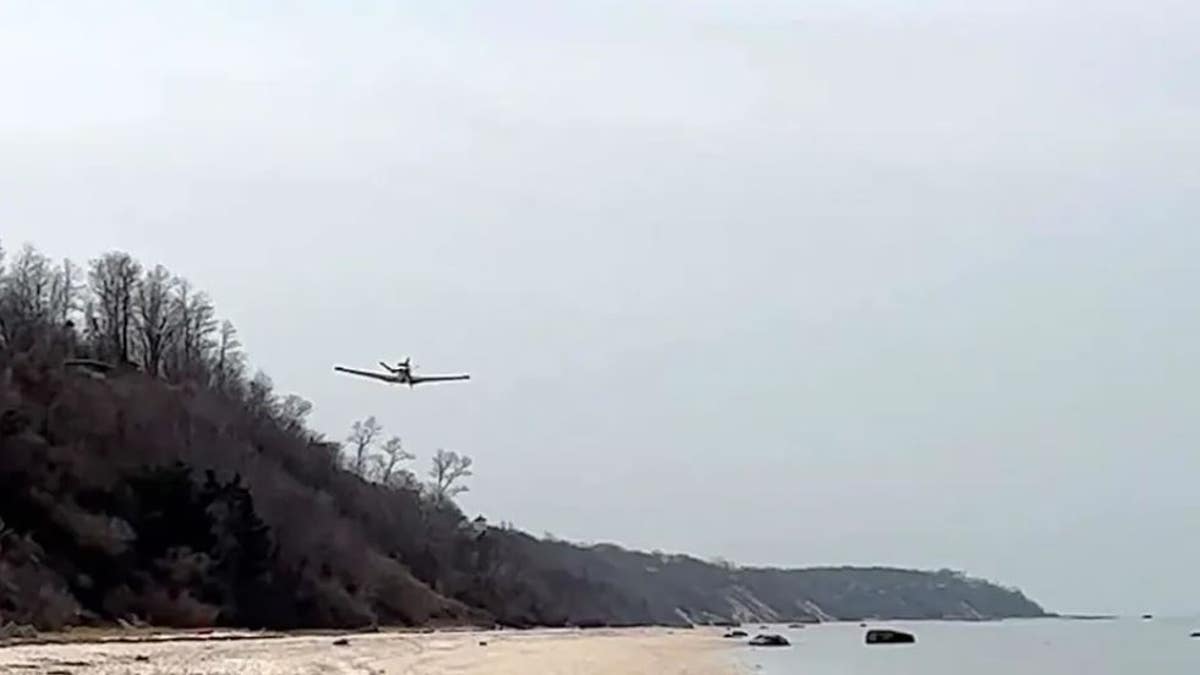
(146, 477)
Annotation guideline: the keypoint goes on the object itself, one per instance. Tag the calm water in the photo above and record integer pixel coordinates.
(1033, 647)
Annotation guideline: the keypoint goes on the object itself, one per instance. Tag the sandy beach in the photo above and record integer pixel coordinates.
(626, 652)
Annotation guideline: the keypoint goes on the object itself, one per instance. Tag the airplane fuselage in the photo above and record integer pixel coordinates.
(402, 374)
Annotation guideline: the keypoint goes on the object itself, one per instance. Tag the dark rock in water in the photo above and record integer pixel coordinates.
(141, 658)
(16, 630)
(341, 642)
(889, 637)
(1196, 634)
(1147, 616)
(795, 625)
(770, 640)
(737, 634)
(483, 643)
(862, 625)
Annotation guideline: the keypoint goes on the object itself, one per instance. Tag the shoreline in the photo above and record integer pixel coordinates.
(569, 651)
(155, 634)
(114, 634)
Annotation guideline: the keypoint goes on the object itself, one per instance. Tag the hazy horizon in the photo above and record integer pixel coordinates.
(852, 282)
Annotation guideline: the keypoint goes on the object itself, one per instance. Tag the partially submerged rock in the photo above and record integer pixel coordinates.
(881, 636)
(769, 640)
(737, 634)
(13, 630)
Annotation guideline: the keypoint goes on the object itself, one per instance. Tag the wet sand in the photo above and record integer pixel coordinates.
(651, 651)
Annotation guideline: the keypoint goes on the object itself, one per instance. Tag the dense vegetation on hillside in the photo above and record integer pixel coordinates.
(172, 487)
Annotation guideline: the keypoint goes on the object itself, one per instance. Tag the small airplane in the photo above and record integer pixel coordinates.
(401, 373)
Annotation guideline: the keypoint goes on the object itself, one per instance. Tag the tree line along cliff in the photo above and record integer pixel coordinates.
(147, 475)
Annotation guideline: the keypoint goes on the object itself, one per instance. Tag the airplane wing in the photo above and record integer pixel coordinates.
(417, 379)
(366, 373)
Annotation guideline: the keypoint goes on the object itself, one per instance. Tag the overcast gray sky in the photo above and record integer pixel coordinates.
(858, 281)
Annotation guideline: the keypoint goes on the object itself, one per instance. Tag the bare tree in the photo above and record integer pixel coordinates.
(156, 322)
(363, 435)
(113, 279)
(4, 317)
(66, 289)
(292, 411)
(229, 363)
(29, 284)
(28, 295)
(194, 314)
(449, 468)
(260, 397)
(392, 455)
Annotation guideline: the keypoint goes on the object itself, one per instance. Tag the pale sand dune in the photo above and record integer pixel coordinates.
(615, 652)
